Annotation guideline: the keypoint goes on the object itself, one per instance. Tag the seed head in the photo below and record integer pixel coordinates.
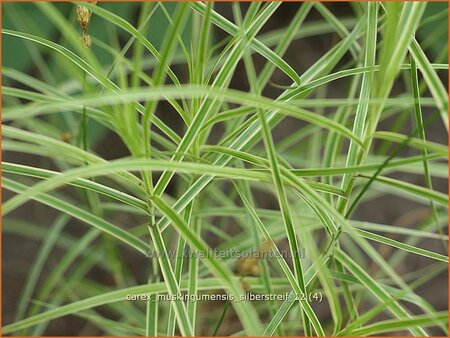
(86, 40)
(83, 16)
(66, 136)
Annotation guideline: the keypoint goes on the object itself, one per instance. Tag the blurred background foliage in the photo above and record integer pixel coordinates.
(14, 15)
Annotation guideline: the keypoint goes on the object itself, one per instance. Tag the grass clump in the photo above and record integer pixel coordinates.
(154, 152)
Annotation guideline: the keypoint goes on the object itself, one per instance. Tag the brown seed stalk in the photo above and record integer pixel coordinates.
(86, 40)
(83, 17)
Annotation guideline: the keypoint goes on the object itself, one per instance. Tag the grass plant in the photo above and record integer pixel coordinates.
(191, 127)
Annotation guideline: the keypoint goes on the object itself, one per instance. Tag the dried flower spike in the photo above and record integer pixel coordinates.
(66, 136)
(86, 40)
(83, 17)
